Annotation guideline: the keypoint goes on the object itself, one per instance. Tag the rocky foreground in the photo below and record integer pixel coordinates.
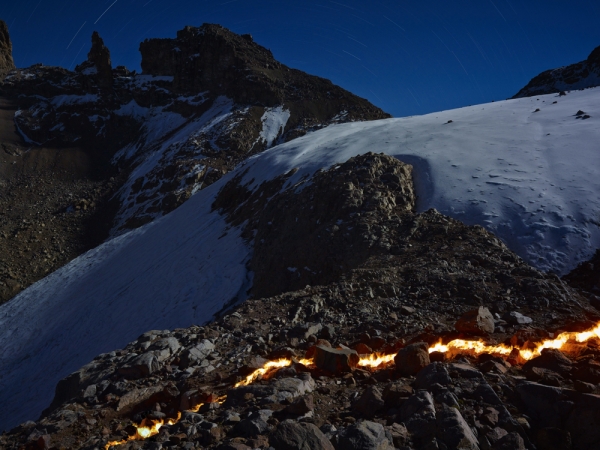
(349, 270)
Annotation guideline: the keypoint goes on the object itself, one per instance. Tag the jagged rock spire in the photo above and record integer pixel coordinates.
(98, 63)
(6, 60)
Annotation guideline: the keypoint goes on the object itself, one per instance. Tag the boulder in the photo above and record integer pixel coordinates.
(454, 431)
(369, 402)
(364, 435)
(193, 356)
(478, 322)
(516, 318)
(512, 441)
(291, 435)
(550, 359)
(335, 360)
(434, 373)
(412, 358)
(140, 367)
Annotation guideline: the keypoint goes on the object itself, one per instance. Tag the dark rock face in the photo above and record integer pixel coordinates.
(581, 75)
(6, 60)
(98, 64)
(213, 58)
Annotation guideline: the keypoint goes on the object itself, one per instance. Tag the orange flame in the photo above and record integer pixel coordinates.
(458, 346)
(376, 360)
(146, 429)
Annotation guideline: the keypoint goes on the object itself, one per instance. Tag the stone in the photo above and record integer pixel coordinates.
(420, 403)
(412, 358)
(512, 441)
(479, 322)
(301, 406)
(550, 359)
(434, 373)
(407, 310)
(400, 434)
(394, 393)
(364, 435)
(541, 403)
(164, 348)
(453, 430)
(137, 396)
(465, 371)
(251, 427)
(196, 354)
(140, 367)
(6, 59)
(291, 435)
(582, 422)
(335, 360)
(306, 330)
(516, 318)
(369, 402)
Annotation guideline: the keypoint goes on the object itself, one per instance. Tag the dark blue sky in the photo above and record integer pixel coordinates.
(406, 57)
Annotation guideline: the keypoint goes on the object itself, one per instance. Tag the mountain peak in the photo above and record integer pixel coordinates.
(6, 60)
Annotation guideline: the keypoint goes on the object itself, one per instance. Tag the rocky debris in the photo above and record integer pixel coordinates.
(6, 60)
(98, 63)
(581, 75)
(186, 379)
(476, 322)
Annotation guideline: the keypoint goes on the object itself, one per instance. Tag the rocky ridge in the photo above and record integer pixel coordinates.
(415, 280)
(126, 148)
(584, 74)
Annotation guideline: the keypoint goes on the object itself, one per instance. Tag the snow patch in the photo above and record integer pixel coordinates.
(274, 121)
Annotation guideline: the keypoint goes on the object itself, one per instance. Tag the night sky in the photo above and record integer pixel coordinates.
(406, 57)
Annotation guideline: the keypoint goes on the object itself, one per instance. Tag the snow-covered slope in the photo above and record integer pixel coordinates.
(174, 272)
(531, 177)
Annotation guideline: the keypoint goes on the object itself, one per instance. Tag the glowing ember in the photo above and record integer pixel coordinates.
(146, 429)
(565, 342)
(460, 346)
(268, 367)
(375, 361)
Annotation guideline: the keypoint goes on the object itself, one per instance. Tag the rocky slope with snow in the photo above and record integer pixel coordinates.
(584, 74)
(144, 143)
(411, 277)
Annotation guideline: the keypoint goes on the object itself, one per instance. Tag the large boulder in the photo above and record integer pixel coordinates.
(364, 435)
(477, 321)
(291, 435)
(412, 358)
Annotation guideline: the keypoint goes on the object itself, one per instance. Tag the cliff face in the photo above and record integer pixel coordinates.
(584, 74)
(6, 60)
(213, 58)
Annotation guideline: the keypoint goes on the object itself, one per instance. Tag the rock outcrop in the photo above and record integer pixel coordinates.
(98, 63)
(6, 59)
(184, 126)
(584, 74)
